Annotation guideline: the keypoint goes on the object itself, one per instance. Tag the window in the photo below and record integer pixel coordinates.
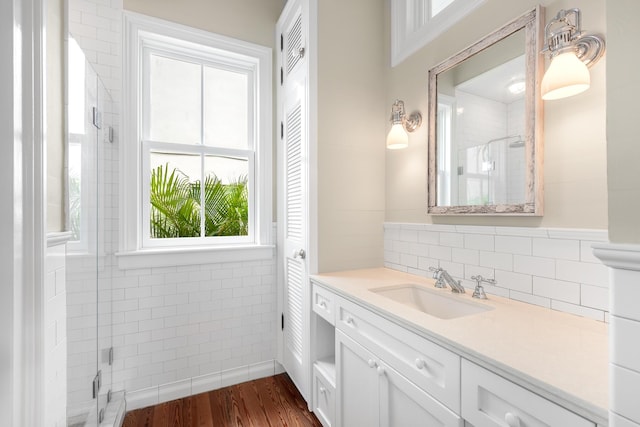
(198, 139)
(414, 23)
(82, 145)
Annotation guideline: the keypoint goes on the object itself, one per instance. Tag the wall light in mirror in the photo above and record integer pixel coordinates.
(571, 53)
(401, 124)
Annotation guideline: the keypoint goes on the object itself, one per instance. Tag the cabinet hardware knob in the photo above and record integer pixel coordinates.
(323, 390)
(420, 363)
(372, 363)
(323, 304)
(350, 320)
(380, 370)
(512, 420)
(299, 253)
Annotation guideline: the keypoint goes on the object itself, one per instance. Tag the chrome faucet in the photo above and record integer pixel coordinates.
(456, 286)
(443, 278)
(478, 292)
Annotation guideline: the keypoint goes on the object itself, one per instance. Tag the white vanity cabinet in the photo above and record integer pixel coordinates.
(373, 371)
(369, 392)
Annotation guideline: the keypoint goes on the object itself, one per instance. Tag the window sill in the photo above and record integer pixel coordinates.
(149, 258)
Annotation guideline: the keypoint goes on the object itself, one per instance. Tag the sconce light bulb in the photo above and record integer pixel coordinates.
(397, 137)
(567, 76)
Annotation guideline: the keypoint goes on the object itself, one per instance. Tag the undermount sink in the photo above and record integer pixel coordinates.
(431, 302)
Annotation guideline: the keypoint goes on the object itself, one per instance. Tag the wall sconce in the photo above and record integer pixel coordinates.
(401, 124)
(571, 53)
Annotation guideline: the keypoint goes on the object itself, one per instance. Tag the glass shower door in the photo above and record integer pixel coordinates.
(89, 317)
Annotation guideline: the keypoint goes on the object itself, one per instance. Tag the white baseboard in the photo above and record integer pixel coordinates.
(201, 384)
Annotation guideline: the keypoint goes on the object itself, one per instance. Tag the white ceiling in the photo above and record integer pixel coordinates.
(494, 83)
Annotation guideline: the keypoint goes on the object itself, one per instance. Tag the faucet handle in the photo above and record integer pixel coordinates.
(436, 271)
(479, 279)
(478, 292)
(437, 274)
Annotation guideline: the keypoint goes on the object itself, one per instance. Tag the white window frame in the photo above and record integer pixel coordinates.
(143, 34)
(412, 26)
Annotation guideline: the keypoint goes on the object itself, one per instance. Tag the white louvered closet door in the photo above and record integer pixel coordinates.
(293, 197)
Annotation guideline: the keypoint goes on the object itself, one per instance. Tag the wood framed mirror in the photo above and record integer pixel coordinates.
(486, 123)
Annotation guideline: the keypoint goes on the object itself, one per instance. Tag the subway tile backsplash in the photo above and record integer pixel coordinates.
(549, 267)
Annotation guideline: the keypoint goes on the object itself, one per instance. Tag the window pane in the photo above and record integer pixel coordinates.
(174, 104)
(76, 88)
(226, 108)
(438, 6)
(75, 189)
(174, 195)
(226, 196)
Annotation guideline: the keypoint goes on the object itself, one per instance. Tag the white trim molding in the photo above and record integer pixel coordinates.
(201, 384)
(623, 261)
(58, 238)
(192, 256)
(622, 256)
(22, 219)
(413, 27)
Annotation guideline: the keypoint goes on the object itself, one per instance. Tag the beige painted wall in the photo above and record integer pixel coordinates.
(249, 20)
(623, 92)
(352, 113)
(575, 142)
(55, 116)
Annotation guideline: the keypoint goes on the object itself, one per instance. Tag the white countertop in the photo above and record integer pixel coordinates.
(557, 355)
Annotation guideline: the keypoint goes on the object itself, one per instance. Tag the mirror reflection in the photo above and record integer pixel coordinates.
(481, 110)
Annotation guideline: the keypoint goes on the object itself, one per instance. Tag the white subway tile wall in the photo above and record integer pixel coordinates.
(55, 338)
(172, 324)
(516, 162)
(97, 27)
(552, 268)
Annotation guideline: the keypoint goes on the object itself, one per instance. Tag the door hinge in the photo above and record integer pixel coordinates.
(110, 356)
(460, 170)
(97, 382)
(281, 76)
(101, 416)
(282, 321)
(281, 42)
(281, 130)
(109, 396)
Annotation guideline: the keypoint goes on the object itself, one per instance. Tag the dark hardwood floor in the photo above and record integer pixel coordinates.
(273, 401)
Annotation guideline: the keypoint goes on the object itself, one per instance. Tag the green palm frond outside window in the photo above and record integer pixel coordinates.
(176, 209)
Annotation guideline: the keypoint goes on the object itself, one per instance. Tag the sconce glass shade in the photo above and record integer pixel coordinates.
(567, 76)
(397, 137)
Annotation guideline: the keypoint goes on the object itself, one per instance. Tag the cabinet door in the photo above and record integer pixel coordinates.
(356, 384)
(402, 403)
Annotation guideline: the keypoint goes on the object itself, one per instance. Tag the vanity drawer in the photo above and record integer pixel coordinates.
(324, 395)
(429, 366)
(323, 303)
(488, 400)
